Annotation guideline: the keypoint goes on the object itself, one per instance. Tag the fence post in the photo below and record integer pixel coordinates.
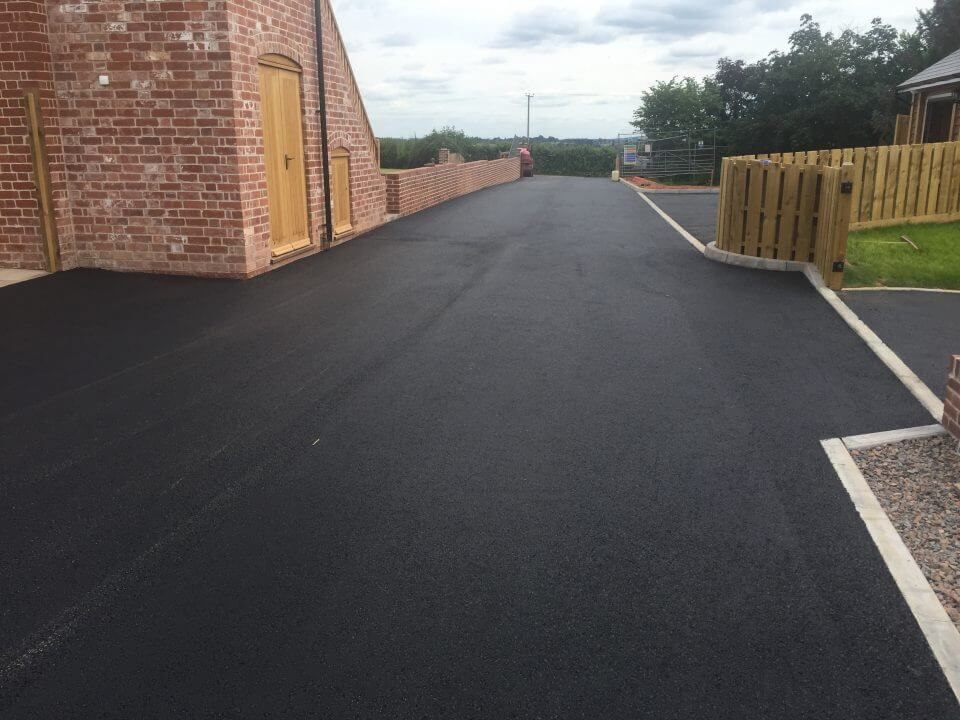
(835, 250)
(723, 209)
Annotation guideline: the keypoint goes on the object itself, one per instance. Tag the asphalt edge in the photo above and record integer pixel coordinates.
(697, 245)
(924, 395)
(935, 624)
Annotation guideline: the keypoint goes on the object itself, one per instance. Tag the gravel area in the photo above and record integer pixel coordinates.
(918, 485)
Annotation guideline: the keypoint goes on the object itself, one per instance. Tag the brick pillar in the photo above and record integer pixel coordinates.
(443, 157)
(951, 410)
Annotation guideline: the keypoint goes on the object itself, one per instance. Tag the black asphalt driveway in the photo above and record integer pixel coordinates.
(696, 211)
(923, 328)
(525, 455)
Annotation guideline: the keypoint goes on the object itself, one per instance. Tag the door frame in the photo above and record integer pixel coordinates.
(925, 123)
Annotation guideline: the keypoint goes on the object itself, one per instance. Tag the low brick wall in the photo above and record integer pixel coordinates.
(951, 410)
(410, 191)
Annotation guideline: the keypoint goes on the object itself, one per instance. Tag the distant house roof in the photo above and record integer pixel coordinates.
(944, 71)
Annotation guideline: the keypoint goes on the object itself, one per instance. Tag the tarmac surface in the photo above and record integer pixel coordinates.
(526, 454)
(923, 328)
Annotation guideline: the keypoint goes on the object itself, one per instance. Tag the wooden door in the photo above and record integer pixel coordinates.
(939, 121)
(340, 197)
(283, 154)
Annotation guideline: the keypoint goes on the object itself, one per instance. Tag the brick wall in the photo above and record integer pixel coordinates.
(410, 191)
(161, 170)
(151, 157)
(951, 411)
(26, 63)
(286, 27)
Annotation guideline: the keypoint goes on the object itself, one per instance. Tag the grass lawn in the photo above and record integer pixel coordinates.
(879, 258)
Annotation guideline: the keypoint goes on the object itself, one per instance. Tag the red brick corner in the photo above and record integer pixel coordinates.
(951, 409)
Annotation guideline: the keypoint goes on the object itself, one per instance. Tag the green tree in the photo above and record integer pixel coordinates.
(939, 29)
(677, 106)
(825, 90)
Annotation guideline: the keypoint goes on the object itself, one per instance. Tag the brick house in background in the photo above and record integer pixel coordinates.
(934, 97)
(178, 137)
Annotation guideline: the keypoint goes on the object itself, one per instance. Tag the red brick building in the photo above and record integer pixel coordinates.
(178, 136)
(934, 98)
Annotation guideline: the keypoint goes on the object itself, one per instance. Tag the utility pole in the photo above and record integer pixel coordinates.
(529, 97)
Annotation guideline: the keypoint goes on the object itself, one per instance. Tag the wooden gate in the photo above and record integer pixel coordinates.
(786, 212)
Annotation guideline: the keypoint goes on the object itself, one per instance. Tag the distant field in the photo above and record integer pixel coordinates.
(880, 258)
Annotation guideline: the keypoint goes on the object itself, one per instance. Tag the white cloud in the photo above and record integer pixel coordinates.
(423, 64)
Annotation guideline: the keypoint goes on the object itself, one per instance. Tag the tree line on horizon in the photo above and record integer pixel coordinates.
(826, 90)
(583, 157)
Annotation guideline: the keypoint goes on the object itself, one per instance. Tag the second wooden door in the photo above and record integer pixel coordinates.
(340, 197)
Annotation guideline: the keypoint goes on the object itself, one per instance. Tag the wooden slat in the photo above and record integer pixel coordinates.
(805, 212)
(738, 205)
(954, 200)
(788, 212)
(857, 157)
(771, 212)
(932, 196)
(869, 177)
(751, 238)
(919, 169)
(907, 154)
(880, 183)
(898, 153)
(923, 186)
(946, 177)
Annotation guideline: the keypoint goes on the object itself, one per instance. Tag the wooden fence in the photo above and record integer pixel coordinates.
(893, 184)
(793, 212)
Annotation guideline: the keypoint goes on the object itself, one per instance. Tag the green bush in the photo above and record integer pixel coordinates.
(402, 153)
(577, 160)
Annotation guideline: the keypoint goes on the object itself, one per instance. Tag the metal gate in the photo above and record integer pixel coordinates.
(689, 156)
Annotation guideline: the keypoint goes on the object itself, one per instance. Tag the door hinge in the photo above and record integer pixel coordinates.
(846, 187)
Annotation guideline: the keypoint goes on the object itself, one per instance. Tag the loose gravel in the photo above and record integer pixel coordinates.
(918, 484)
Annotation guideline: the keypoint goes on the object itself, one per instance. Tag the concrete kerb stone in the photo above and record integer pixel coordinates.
(756, 263)
(704, 191)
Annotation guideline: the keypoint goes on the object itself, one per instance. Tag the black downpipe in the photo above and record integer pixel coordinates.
(324, 138)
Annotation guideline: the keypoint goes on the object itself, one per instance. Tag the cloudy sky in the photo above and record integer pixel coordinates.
(423, 64)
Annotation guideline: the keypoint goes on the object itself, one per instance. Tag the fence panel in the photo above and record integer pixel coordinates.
(892, 183)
